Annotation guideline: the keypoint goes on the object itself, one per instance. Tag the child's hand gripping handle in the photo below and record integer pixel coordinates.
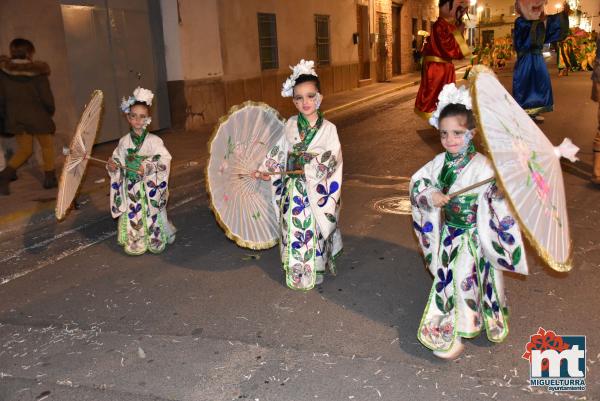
(470, 187)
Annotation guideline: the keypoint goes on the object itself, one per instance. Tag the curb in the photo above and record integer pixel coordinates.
(371, 97)
(380, 94)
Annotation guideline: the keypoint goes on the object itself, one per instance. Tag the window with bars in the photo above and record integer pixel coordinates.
(323, 39)
(267, 41)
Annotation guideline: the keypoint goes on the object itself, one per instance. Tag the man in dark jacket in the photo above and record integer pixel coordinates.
(28, 105)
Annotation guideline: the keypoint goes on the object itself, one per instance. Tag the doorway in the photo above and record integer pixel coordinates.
(487, 38)
(111, 47)
(396, 39)
(364, 48)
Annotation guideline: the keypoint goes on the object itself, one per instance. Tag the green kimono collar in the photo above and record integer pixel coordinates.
(453, 165)
(133, 160)
(138, 140)
(307, 133)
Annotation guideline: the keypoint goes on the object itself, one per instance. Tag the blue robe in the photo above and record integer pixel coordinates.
(531, 82)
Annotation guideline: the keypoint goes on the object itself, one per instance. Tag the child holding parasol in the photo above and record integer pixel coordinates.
(139, 170)
(467, 239)
(305, 168)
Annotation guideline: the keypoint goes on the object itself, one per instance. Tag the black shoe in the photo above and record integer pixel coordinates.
(50, 179)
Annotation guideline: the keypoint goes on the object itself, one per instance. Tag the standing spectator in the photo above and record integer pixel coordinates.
(28, 104)
(596, 98)
(416, 53)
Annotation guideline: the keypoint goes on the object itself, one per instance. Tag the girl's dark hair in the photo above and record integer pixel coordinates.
(21, 48)
(308, 78)
(141, 104)
(455, 110)
(442, 2)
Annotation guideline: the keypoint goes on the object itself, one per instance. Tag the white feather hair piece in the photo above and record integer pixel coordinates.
(303, 67)
(450, 94)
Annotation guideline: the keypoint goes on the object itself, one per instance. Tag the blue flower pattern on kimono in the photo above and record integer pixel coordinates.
(502, 226)
(322, 190)
(423, 231)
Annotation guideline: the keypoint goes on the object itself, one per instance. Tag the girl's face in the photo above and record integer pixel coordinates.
(307, 98)
(452, 133)
(137, 117)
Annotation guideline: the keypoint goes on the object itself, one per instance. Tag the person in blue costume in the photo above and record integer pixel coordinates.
(531, 82)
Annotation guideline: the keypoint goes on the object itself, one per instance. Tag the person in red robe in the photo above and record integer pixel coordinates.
(446, 43)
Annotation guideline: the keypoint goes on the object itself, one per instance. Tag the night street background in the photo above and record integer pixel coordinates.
(207, 320)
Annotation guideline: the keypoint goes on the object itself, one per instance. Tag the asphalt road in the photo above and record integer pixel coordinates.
(206, 320)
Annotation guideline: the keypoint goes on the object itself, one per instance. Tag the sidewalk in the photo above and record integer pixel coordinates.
(188, 148)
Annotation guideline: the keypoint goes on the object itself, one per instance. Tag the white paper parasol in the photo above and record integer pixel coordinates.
(243, 205)
(527, 166)
(77, 155)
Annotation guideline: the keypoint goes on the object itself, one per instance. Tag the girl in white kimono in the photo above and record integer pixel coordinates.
(139, 188)
(467, 240)
(307, 202)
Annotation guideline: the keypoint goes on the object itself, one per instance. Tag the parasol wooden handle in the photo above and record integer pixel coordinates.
(105, 162)
(470, 187)
(284, 172)
(275, 173)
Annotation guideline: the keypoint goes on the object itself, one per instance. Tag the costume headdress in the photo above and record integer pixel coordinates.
(304, 67)
(450, 94)
(140, 95)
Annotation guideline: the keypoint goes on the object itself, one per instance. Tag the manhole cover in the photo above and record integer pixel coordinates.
(393, 205)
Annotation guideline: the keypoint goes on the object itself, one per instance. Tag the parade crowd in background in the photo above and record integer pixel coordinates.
(576, 53)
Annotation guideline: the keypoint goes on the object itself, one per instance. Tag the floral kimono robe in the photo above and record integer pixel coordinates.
(140, 202)
(307, 204)
(466, 245)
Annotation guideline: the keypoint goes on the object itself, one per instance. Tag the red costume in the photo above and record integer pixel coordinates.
(445, 44)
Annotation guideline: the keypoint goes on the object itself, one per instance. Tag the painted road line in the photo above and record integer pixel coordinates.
(47, 241)
(51, 260)
(56, 258)
(47, 206)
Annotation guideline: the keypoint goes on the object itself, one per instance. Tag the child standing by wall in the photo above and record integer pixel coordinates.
(466, 240)
(139, 170)
(307, 203)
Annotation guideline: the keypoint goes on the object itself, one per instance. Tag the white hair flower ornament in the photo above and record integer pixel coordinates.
(303, 67)
(139, 95)
(450, 94)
